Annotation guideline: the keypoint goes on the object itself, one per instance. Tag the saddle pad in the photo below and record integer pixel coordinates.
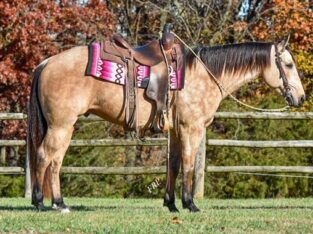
(116, 73)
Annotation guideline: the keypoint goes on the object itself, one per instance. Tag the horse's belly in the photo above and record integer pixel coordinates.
(109, 103)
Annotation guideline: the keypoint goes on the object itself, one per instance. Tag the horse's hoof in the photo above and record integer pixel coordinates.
(40, 207)
(171, 207)
(62, 208)
(191, 207)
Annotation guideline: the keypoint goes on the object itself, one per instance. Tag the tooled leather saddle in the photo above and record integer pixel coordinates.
(119, 51)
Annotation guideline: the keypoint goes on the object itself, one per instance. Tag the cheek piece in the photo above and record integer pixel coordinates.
(282, 75)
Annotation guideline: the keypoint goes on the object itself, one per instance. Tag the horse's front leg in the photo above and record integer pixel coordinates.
(191, 137)
(173, 166)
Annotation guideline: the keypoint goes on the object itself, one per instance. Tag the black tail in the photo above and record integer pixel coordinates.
(37, 129)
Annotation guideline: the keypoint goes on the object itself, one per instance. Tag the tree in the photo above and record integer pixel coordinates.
(32, 30)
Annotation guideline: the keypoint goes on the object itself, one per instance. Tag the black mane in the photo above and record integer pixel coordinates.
(234, 58)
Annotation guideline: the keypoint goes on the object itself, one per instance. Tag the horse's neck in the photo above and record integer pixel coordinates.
(232, 82)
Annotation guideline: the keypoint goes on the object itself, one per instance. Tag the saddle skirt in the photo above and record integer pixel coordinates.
(108, 69)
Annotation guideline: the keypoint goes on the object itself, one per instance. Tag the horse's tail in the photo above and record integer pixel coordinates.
(37, 129)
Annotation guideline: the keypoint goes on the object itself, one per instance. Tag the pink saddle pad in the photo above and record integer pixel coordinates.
(116, 73)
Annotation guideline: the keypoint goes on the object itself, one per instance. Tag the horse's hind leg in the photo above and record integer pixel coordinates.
(41, 166)
(51, 153)
(172, 172)
(59, 140)
(63, 138)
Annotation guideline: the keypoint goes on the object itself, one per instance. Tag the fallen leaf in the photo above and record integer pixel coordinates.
(176, 220)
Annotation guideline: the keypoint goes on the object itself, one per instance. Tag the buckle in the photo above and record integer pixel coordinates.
(124, 59)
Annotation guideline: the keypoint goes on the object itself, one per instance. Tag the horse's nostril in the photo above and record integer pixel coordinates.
(301, 100)
(289, 99)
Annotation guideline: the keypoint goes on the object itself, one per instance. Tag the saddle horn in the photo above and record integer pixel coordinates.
(168, 38)
(167, 28)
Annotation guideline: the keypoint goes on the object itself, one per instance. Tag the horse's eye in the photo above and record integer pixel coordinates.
(289, 65)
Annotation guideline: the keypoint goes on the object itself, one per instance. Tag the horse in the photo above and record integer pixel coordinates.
(61, 92)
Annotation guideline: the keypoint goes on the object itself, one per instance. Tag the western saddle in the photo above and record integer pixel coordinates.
(157, 51)
(149, 54)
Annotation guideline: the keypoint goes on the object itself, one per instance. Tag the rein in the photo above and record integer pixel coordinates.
(282, 74)
(166, 114)
(222, 88)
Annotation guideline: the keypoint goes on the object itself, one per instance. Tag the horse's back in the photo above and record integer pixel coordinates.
(66, 92)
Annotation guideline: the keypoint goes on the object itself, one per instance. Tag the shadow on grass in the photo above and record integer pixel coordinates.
(75, 208)
(17, 208)
(95, 208)
(85, 208)
(258, 207)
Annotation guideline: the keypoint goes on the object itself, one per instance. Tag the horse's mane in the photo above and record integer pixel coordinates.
(233, 58)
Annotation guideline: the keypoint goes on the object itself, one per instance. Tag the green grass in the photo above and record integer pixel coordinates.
(91, 215)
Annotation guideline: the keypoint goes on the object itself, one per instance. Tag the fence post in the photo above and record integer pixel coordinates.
(27, 172)
(130, 157)
(3, 155)
(198, 185)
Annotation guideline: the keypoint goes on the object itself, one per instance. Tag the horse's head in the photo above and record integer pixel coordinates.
(283, 75)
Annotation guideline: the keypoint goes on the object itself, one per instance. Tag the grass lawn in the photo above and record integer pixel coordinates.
(92, 215)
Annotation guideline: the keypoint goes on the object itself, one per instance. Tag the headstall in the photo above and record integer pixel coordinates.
(282, 75)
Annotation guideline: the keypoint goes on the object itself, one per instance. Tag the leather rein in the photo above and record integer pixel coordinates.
(282, 75)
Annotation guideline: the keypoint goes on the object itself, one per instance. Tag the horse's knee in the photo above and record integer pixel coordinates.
(188, 170)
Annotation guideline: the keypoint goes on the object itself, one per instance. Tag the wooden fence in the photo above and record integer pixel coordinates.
(200, 163)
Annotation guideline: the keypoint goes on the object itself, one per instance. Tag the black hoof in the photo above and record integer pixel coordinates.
(37, 198)
(62, 209)
(58, 204)
(40, 207)
(171, 207)
(191, 207)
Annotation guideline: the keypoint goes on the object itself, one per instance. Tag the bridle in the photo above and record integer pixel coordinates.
(282, 75)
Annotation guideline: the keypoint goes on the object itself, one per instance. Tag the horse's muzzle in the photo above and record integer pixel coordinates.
(301, 100)
(292, 101)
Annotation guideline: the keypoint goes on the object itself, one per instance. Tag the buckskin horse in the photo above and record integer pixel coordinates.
(61, 92)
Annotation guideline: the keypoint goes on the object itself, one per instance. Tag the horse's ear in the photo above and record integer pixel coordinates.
(287, 40)
(283, 44)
